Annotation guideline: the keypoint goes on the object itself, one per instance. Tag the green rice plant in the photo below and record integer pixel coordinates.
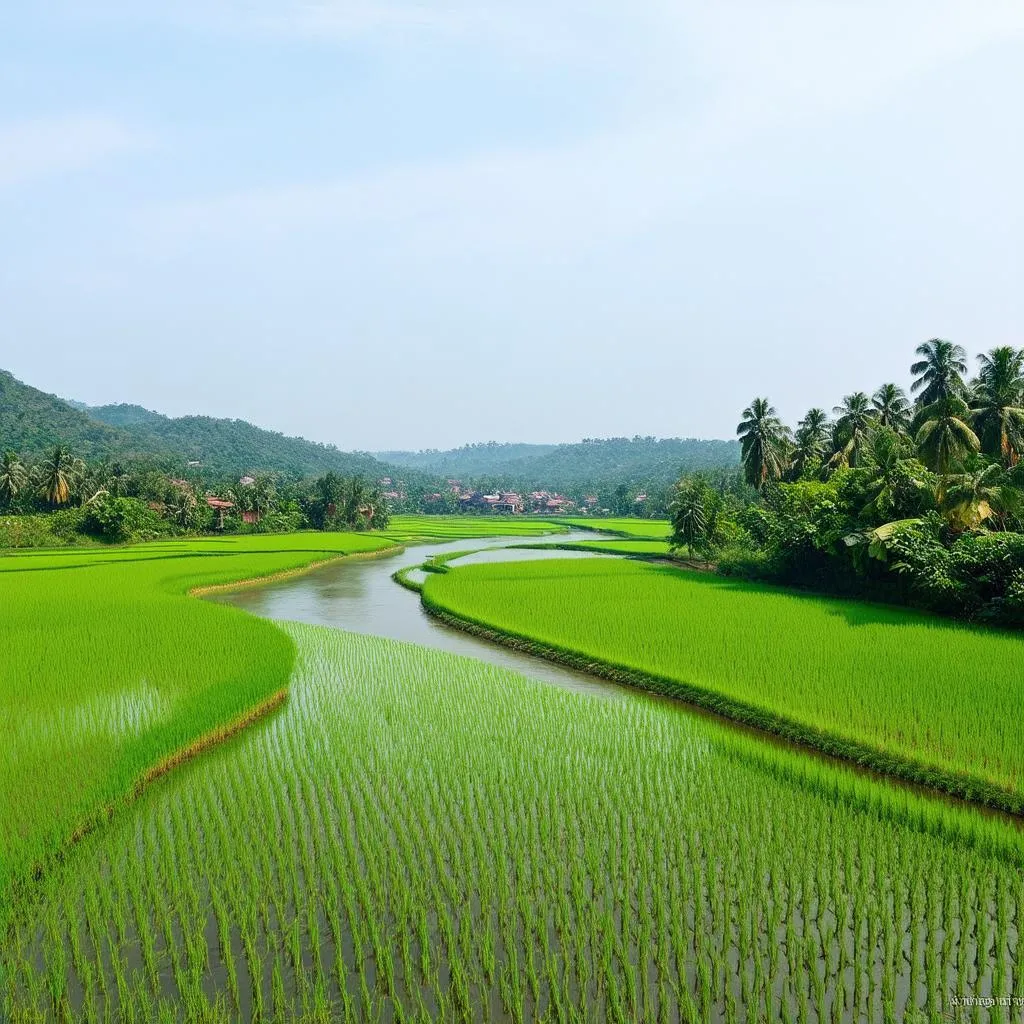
(555, 855)
(111, 667)
(905, 693)
(623, 526)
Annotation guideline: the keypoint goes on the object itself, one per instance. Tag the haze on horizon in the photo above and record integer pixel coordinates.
(409, 225)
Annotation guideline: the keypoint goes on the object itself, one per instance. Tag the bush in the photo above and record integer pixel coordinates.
(278, 522)
(59, 529)
(743, 560)
(117, 520)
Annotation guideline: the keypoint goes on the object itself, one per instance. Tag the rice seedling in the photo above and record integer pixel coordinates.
(110, 667)
(417, 836)
(906, 693)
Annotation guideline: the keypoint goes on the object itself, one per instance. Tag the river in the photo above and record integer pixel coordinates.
(359, 595)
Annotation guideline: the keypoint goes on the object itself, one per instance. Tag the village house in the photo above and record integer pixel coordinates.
(545, 501)
(220, 506)
(506, 501)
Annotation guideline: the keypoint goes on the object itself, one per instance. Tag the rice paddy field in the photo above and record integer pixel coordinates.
(622, 536)
(894, 686)
(624, 526)
(413, 528)
(403, 834)
(109, 667)
(416, 836)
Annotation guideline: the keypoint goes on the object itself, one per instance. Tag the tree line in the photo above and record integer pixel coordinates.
(60, 497)
(913, 496)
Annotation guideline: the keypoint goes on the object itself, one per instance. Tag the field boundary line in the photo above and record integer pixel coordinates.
(210, 739)
(302, 570)
(965, 787)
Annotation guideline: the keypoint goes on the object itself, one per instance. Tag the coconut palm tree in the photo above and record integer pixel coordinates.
(973, 497)
(895, 480)
(58, 474)
(944, 436)
(810, 441)
(891, 407)
(939, 373)
(854, 421)
(690, 516)
(764, 443)
(13, 477)
(998, 404)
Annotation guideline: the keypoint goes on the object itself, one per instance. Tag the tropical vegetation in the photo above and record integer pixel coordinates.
(913, 498)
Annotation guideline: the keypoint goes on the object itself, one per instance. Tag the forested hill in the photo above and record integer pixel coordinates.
(32, 421)
(589, 463)
(470, 460)
(233, 446)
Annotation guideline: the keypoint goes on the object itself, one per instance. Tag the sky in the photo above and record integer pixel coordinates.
(392, 224)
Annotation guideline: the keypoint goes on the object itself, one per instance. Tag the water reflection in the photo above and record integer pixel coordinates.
(359, 595)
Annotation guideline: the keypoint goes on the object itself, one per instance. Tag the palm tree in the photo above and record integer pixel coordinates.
(939, 372)
(891, 407)
(690, 516)
(764, 443)
(894, 480)
(810, 440)
(94, 481)
(58, 474)
(13, 477)
(998, 404)
(973, 497)
(854, 421)
(944, 437)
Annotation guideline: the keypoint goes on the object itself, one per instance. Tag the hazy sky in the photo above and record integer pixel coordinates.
(387, 223)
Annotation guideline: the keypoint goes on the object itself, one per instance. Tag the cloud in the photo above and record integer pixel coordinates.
(43, 147)
(753, 70)
(524, 27)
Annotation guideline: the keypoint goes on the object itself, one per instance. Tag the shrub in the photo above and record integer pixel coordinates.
(117, 520)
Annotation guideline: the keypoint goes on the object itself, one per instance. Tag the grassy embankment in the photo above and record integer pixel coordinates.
(446, 840)
(913, 696)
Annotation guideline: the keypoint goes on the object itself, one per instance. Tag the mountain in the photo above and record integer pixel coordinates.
(470, 460)
(32, 421)
(589, 463)
(225, 446)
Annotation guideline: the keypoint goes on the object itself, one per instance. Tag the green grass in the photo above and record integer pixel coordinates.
(416, 836)
(907, 693)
